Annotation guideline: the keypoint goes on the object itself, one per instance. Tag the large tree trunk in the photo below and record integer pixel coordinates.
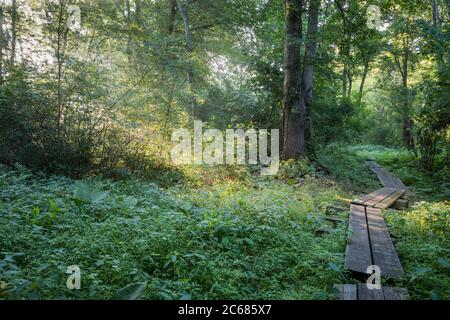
(293, 123)
(307, 77)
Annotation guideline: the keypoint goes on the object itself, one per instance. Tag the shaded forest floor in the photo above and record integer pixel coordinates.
(218, 233)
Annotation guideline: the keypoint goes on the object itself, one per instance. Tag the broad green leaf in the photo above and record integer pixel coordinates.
(99, 197)
(132, 291)
(130, 202)
(443, 262)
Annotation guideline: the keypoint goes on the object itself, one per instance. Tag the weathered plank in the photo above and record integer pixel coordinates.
(364, 199)
(361, 292)
(357, 253)
(389, 201)
(386, 178)
(401, 204)
(383, 251)
(360, 201)
(346, 291)
(392, 293)
(381, 196)
(365, 293)
(335, 220)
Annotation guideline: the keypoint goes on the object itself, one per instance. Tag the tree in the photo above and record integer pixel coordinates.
(298, 80)
(294, 124)
(307, 76)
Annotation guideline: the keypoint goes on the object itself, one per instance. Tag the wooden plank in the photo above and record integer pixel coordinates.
(365, 293)
(346, 291)
(363, 199)
(401, 204)
(373, 195)
(389, 201)
(386, 178)
(357, 253)
(335, 220)
(380, 197)
(392, 293)
(383, 250)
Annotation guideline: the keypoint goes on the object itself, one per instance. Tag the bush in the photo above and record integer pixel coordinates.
(294, 169)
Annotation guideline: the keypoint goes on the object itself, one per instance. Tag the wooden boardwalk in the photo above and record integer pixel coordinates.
(386, 178)
(361, 292)
(370, 243)
(383, 198)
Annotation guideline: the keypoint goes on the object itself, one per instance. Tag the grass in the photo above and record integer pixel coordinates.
(229, 240)
(423, 245)
(217, 233)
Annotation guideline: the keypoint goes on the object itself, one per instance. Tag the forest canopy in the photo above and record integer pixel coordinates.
(105, 92)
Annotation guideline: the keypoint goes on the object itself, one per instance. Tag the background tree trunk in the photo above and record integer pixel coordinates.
(363, 81)
(407, 122)
(402, 61)
(173, 13)
(307, 77)
(293, 128)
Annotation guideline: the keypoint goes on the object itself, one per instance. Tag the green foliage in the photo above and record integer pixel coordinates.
(219, 242)
(100, 105)
(348, 167)
(423, 246)
(432, 123)
(83, 194)
(132, 291)
(294, 169)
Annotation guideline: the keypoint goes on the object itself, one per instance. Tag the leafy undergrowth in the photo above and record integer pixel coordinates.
(231, 239)
(220, 233)
(348, 168)
(423, 245)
